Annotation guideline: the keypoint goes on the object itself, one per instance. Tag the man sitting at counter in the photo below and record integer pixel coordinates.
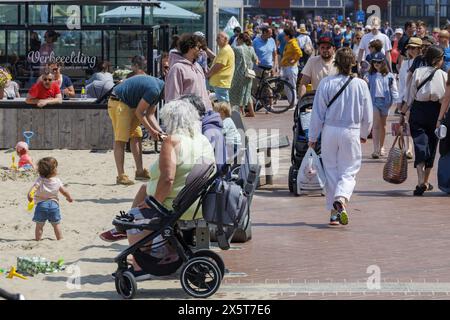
(44, 92)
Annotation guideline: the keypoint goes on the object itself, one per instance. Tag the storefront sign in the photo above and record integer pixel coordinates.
(75, 59)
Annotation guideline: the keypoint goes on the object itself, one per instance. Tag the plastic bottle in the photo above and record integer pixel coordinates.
(83, 93)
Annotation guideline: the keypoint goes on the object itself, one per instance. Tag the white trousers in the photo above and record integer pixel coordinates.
(290, 74)
(341, 157)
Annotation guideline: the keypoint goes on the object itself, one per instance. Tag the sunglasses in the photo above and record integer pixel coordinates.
(55, 69)
(47, 80)
(377, 62)
(358, 38)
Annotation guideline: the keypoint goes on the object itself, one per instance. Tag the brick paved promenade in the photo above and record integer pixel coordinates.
(406, 237)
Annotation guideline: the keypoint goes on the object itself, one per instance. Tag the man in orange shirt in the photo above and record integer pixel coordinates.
(44, 92)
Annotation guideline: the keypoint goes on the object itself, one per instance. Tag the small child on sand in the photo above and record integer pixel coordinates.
(46, 189)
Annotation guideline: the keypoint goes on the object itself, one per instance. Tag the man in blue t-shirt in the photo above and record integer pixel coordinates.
(133, 102)
(444, 43)
(266, 49)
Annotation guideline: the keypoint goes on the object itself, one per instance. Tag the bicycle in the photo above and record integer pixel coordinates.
(274, 94)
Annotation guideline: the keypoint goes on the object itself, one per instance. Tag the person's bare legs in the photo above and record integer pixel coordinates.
(39, 231)
(382, 128)
(140, 196)
(251, 110)
(376, 131)
(119, 156)
(132, 239)
(427, 176)
(136, 150)
(58, 231)
(421, 173)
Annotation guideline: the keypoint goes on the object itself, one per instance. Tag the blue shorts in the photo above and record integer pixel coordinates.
(378, 103)
(222, 94)
(47, 210)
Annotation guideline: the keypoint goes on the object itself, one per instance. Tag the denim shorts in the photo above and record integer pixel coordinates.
(47, 210)
(222, 94)
(378, 103)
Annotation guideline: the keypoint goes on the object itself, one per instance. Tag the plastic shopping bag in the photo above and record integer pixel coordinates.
(311, 176)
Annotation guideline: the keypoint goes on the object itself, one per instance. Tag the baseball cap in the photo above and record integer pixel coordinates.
(378, 56)
(399, 30)
(414, 42)
(326, 40)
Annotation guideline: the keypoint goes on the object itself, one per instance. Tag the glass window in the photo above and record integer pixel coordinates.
(8, 14)
(430, 10)
(187, 15)
(2, 47)
(444, 11)
(38, 14)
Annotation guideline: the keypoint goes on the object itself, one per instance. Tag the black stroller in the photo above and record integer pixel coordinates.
(201, 271)
(302, 117)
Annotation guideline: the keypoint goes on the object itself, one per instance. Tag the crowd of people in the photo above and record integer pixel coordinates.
(359, 74)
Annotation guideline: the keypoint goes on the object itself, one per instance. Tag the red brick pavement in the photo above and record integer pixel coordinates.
(406, 237)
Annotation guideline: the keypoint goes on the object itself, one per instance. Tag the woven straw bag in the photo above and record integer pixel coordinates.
(396, 168)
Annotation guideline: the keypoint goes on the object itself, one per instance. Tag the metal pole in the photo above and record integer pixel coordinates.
(390, 13)
(438, 14)
(360, 5)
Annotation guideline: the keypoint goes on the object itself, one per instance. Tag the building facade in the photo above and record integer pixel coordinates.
(397, 11)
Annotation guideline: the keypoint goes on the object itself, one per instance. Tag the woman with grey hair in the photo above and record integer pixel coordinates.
(180, 151)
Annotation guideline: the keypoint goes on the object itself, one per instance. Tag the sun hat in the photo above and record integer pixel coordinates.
(414, 42)
(337, 27)
(302, 29)
(21, 145)
(429, 39)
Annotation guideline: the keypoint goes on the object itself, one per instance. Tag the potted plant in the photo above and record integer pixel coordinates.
(5, 77)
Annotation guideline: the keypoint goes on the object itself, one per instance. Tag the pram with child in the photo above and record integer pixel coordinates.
(201, 271)
(302, 119)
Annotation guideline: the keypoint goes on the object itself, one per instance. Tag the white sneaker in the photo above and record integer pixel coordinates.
(382, 152)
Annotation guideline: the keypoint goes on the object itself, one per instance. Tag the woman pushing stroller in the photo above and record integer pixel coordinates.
(342, 113)
(180, 151)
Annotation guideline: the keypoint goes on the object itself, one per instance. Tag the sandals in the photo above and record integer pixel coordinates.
(420, 190)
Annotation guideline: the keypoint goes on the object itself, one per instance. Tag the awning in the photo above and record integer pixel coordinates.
(166, 10)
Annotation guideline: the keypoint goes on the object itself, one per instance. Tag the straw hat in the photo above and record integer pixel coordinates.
(302, 29)
(414, 42)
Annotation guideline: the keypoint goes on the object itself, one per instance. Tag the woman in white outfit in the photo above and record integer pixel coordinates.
(344, 125)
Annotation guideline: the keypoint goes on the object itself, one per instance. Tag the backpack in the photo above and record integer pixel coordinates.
(224, 205)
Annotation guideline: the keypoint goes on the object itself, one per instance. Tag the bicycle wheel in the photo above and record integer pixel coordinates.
(277, 95)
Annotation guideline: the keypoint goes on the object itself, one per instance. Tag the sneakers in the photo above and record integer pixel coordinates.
(375, 155)
(124, 180)
(341, 212)
(113, 235)
(409, 155)
(382, 152)
(334, 220)
(144, 175)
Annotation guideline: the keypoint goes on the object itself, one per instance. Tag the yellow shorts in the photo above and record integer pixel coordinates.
(124, 121)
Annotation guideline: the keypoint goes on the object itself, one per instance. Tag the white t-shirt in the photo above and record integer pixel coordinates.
(304, 39)
(47, 189)
(317, 69)
(379, 86)
(387, 46)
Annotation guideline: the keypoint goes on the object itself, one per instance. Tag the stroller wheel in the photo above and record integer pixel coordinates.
(200, 277)
(214, 257)
(126, 285)
(292, 178)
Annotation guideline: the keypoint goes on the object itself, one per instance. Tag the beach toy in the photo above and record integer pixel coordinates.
(34, 265)
(13, 273)
(31, 204)
(2, 270)
(13, 165)
(28, 135)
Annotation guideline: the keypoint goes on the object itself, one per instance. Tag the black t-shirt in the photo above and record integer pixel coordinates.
(402, 44)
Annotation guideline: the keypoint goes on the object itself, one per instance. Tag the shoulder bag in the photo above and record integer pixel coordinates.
(248, 73)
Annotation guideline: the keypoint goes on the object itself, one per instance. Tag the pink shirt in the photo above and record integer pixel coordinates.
(24, 160)
(47, 189)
